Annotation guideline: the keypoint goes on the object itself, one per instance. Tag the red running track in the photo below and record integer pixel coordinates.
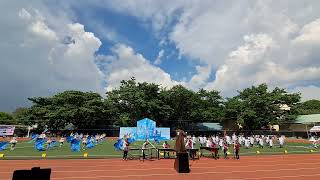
(274, 167)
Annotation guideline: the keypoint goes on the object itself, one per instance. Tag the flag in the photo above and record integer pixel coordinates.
(45, 130)
(69, 139)
(119, 144)
(75, 145)
(52, 144)
(33, 138)
(3, 145)
(39, 145)
(90, 143)
(131, 140)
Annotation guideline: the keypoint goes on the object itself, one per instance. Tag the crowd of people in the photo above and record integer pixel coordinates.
(223, 143)
(214, 143)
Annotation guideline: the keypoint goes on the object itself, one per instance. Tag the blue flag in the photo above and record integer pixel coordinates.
(75, 145)
(3, 145)
(119, 144)
(90, 143)
(39, 145)
(33, 138)
(69, 139)
(52, 144)
(131, 140)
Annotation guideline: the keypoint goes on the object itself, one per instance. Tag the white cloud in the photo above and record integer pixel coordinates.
(281, 40)
(308, 92)
(125, 63)
(160, 55)
(35, 61)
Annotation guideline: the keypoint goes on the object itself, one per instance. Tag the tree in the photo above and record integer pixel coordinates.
(309, 107)
(256, 107)
(134, 101)
(6, 119)
(82, 109)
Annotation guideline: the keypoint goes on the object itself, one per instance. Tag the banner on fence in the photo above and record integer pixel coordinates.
(6, 130)
(146, 129)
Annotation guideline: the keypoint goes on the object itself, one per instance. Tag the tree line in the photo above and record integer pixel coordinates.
(252, 108)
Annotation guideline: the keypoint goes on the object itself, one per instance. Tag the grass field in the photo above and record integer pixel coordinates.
(25, 150)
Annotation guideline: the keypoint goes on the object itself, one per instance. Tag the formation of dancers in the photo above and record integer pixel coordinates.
(223, 143)
(215, 143)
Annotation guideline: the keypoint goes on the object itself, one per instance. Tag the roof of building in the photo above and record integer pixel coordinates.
(308, 119)
(209, 126)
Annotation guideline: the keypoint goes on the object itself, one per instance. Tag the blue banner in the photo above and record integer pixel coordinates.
(39, 145)
(90, 143)
(75, 145)
(119, 145)
(52, 144)
(33, 138)
(3, 145)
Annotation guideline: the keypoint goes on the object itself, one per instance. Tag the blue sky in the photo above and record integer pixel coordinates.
(137, 34)
(215, 45)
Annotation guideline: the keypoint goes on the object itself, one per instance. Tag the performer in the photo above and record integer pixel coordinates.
(189, 146)
(165, 145)
(144, 147)
(251, 141)
(13, 143)
(225, 150)
(84, 142)
(125, 147)
(281, 141)
(261, 142)
(270, 142)
(247, 143)
(214, 150)
(61, 141)
(49, 141)
(236, 150)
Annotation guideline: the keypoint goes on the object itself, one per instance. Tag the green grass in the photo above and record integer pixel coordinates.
(25, 150)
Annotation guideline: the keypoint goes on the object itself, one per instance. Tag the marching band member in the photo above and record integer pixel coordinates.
(225, 150)
(261, 142)
(236, 149)
(270, 142)
(281, 141)
(247, 143)
(251, 141)
(144, 147)
(165, 145)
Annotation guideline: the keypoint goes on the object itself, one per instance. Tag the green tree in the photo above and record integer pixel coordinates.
(6, 119)
(309, 107)
(256, 107)
(133, 101)
(82, 109)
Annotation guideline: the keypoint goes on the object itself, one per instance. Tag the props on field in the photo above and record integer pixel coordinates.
(146, 129)
(3, 145)
(75, 145)
(119, 144)
(39, 145)
(33, 138)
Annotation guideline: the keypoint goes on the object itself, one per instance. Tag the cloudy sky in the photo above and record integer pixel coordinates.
(226, 45)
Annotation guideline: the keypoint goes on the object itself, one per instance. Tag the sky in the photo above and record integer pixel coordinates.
(226, 45)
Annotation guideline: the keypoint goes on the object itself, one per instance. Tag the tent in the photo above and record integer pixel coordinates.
(315, 129)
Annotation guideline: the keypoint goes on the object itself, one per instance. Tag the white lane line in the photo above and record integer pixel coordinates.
(277, 177)
(200, 173)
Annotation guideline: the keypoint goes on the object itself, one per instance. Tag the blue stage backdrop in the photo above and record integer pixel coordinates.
(146, 129)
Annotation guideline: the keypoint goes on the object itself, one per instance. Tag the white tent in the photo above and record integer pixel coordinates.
(315, 129)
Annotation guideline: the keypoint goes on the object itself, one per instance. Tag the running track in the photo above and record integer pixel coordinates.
(274, 167)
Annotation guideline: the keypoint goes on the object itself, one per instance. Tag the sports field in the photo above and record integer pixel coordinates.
(26, 150)
(292, 167)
